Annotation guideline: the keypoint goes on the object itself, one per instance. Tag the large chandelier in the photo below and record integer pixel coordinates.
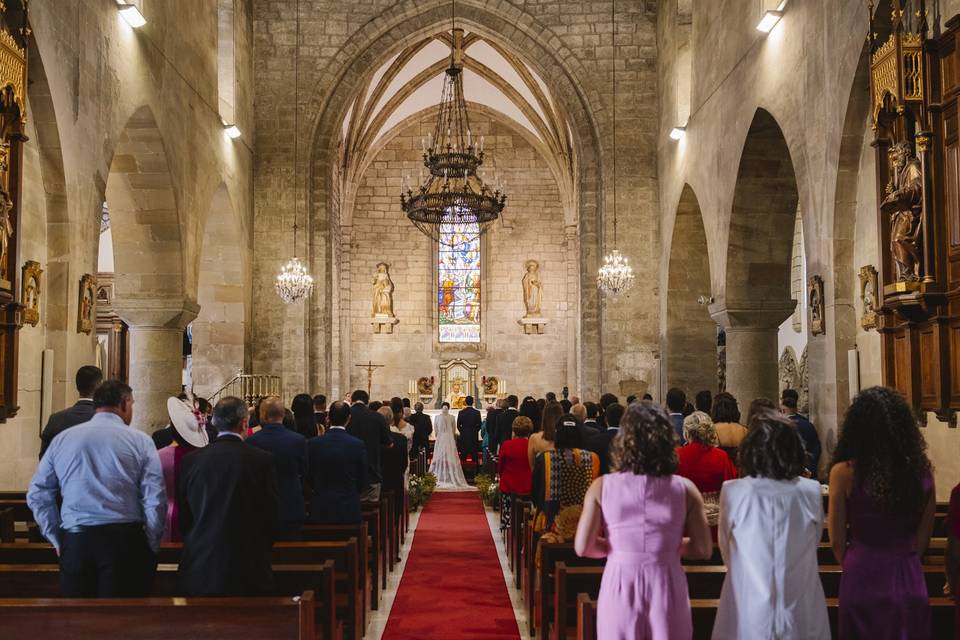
(454, 191)
(294, 282)
(616, 274)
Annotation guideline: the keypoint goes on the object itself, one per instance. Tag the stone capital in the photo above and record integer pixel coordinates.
(751, 315)
(156, 313)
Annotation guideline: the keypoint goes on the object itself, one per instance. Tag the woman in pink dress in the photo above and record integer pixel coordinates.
(635, 518)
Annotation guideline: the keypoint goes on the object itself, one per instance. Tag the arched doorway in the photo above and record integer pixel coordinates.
(757, 296)
(691, 343)
(218, 334)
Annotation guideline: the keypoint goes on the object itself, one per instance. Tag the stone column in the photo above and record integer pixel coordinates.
(156, 355)
(752, 357)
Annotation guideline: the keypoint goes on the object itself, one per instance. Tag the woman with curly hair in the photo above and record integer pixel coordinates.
(882, 503)
(771, 521)
(635, 517)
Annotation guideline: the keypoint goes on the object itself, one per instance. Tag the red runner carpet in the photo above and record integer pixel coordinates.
(452, 586)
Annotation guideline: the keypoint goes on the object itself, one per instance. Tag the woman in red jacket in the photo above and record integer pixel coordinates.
(513, 466)
(705, 463)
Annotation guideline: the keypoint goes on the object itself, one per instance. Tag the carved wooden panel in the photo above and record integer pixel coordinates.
(929, 367)
(903, 378)
(951, 195)
(954, 333)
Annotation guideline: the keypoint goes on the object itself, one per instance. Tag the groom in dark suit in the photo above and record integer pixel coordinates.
(468, 424)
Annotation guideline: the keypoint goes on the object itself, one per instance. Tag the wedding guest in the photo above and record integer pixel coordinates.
(882, 504)
(544, 439)
(789, 400)
(320, 411)
(635, 517)
(98, 498)
(366, 424)
(505, 421)
(772, 588)
(703, 462)
(304, 417)
(726, 420)
(188, 436)
(676, 402)
(561, 477)
(514, 467)
(422, 428)
(88, 378)
(337, 463)
(604, 440)
(703, 401)
(757, 406)
(953, 552)
(228, 501)
(530, 409)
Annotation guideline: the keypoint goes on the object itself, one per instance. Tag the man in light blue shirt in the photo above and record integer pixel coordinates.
(107, 531)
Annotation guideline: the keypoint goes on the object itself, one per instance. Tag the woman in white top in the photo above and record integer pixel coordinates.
(771, 521)
(446, 461)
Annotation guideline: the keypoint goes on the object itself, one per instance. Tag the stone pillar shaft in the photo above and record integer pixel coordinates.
(156, 366)
(752, 364)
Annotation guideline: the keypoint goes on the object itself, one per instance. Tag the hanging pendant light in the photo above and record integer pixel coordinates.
(294, 282)
(616, 274)
(453, 193)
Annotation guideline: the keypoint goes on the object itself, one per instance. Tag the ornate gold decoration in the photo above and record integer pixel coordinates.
(897, 70)
(869, 296)
(13, 70)
(30, 292)
(86, 301)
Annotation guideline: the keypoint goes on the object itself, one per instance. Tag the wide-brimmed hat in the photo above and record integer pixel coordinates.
(185, 421)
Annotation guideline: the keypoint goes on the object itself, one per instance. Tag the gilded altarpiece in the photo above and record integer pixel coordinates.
(13, 115)
(914, 91)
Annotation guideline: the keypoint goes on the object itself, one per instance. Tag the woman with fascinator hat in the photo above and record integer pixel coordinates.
(189, 425)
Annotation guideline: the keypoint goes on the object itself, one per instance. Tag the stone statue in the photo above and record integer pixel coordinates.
(382, 291)
(815, 299)
(532, 289)
(903, 203)
(868, 297)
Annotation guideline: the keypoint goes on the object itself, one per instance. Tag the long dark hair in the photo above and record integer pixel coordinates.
(548, 424)
(772, 449)
(303, 415)
(568, 433)
(529, 409)
(881, 437)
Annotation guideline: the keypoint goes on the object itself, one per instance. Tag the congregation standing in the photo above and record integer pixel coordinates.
(641, 486)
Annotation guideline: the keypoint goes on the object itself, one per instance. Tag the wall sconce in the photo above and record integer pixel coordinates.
(677, 133)
(131, 14)
(232, 131)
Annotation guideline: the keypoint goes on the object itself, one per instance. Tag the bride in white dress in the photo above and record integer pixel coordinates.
(446, 461)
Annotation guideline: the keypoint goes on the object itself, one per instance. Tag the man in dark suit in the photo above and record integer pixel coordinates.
(468, 424)
(88, 379)
(422, 428)
(228, 498)
(492, 416)
(505, 420)
(370, 427)
(289, 450)
(789, 400)
(337, 463)
(600, 443)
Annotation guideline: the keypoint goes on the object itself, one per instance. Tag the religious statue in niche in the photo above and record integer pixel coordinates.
(903, 204)
(383, 318)
(425, 386)
(533, 321)
(815, 300)
(6, 223)
(491, 386)
(85, 303)
(458, 393)
(30, 293)
(868, 296)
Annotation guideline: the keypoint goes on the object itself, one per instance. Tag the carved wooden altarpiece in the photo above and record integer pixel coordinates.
(914, 94)
(13, 117)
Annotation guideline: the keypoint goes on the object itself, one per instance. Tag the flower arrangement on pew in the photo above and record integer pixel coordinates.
(489, 488)
(421, 488)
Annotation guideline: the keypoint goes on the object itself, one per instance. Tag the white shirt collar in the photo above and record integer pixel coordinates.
(338, 428)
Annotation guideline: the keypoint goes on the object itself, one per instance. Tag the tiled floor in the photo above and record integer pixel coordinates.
(378, 620)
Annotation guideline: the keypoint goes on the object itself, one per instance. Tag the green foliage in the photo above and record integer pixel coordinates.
(489, 489)
(421, 487)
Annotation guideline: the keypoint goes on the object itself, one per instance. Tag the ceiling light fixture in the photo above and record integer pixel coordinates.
(769, 21)
(131, 15)
(677, 133)
(232, 131)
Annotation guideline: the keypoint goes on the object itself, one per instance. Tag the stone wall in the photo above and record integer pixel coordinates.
(531, 227)
(570, 45)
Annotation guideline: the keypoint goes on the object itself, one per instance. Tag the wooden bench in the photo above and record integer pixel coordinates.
(43, 581)
(350, 603)
(8, 527)
(378, 534)
(368, 562)
(161, 618)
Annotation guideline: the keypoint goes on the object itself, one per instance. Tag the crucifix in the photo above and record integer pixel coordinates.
(370, 367)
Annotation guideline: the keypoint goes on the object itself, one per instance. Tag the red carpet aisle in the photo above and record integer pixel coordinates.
(452, 587)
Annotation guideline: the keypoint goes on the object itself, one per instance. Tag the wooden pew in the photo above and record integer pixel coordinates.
(161, 618)
(586, 617)
(8, 527)
(350, 603)
(375, 525)
(43, 581)
(368, 564)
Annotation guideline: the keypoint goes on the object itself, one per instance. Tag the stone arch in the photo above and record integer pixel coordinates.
(147, 243)
(756, 298)
(219, 330)
(690, 350)
(516, 31)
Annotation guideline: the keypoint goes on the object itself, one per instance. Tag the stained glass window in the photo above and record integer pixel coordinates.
(458, 283)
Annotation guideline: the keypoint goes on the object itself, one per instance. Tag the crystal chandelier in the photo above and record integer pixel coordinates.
(454, 191)
(294, 282)
(616, 274)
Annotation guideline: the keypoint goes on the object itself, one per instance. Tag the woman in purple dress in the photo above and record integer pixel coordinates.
(635, 518)
(882, 504)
